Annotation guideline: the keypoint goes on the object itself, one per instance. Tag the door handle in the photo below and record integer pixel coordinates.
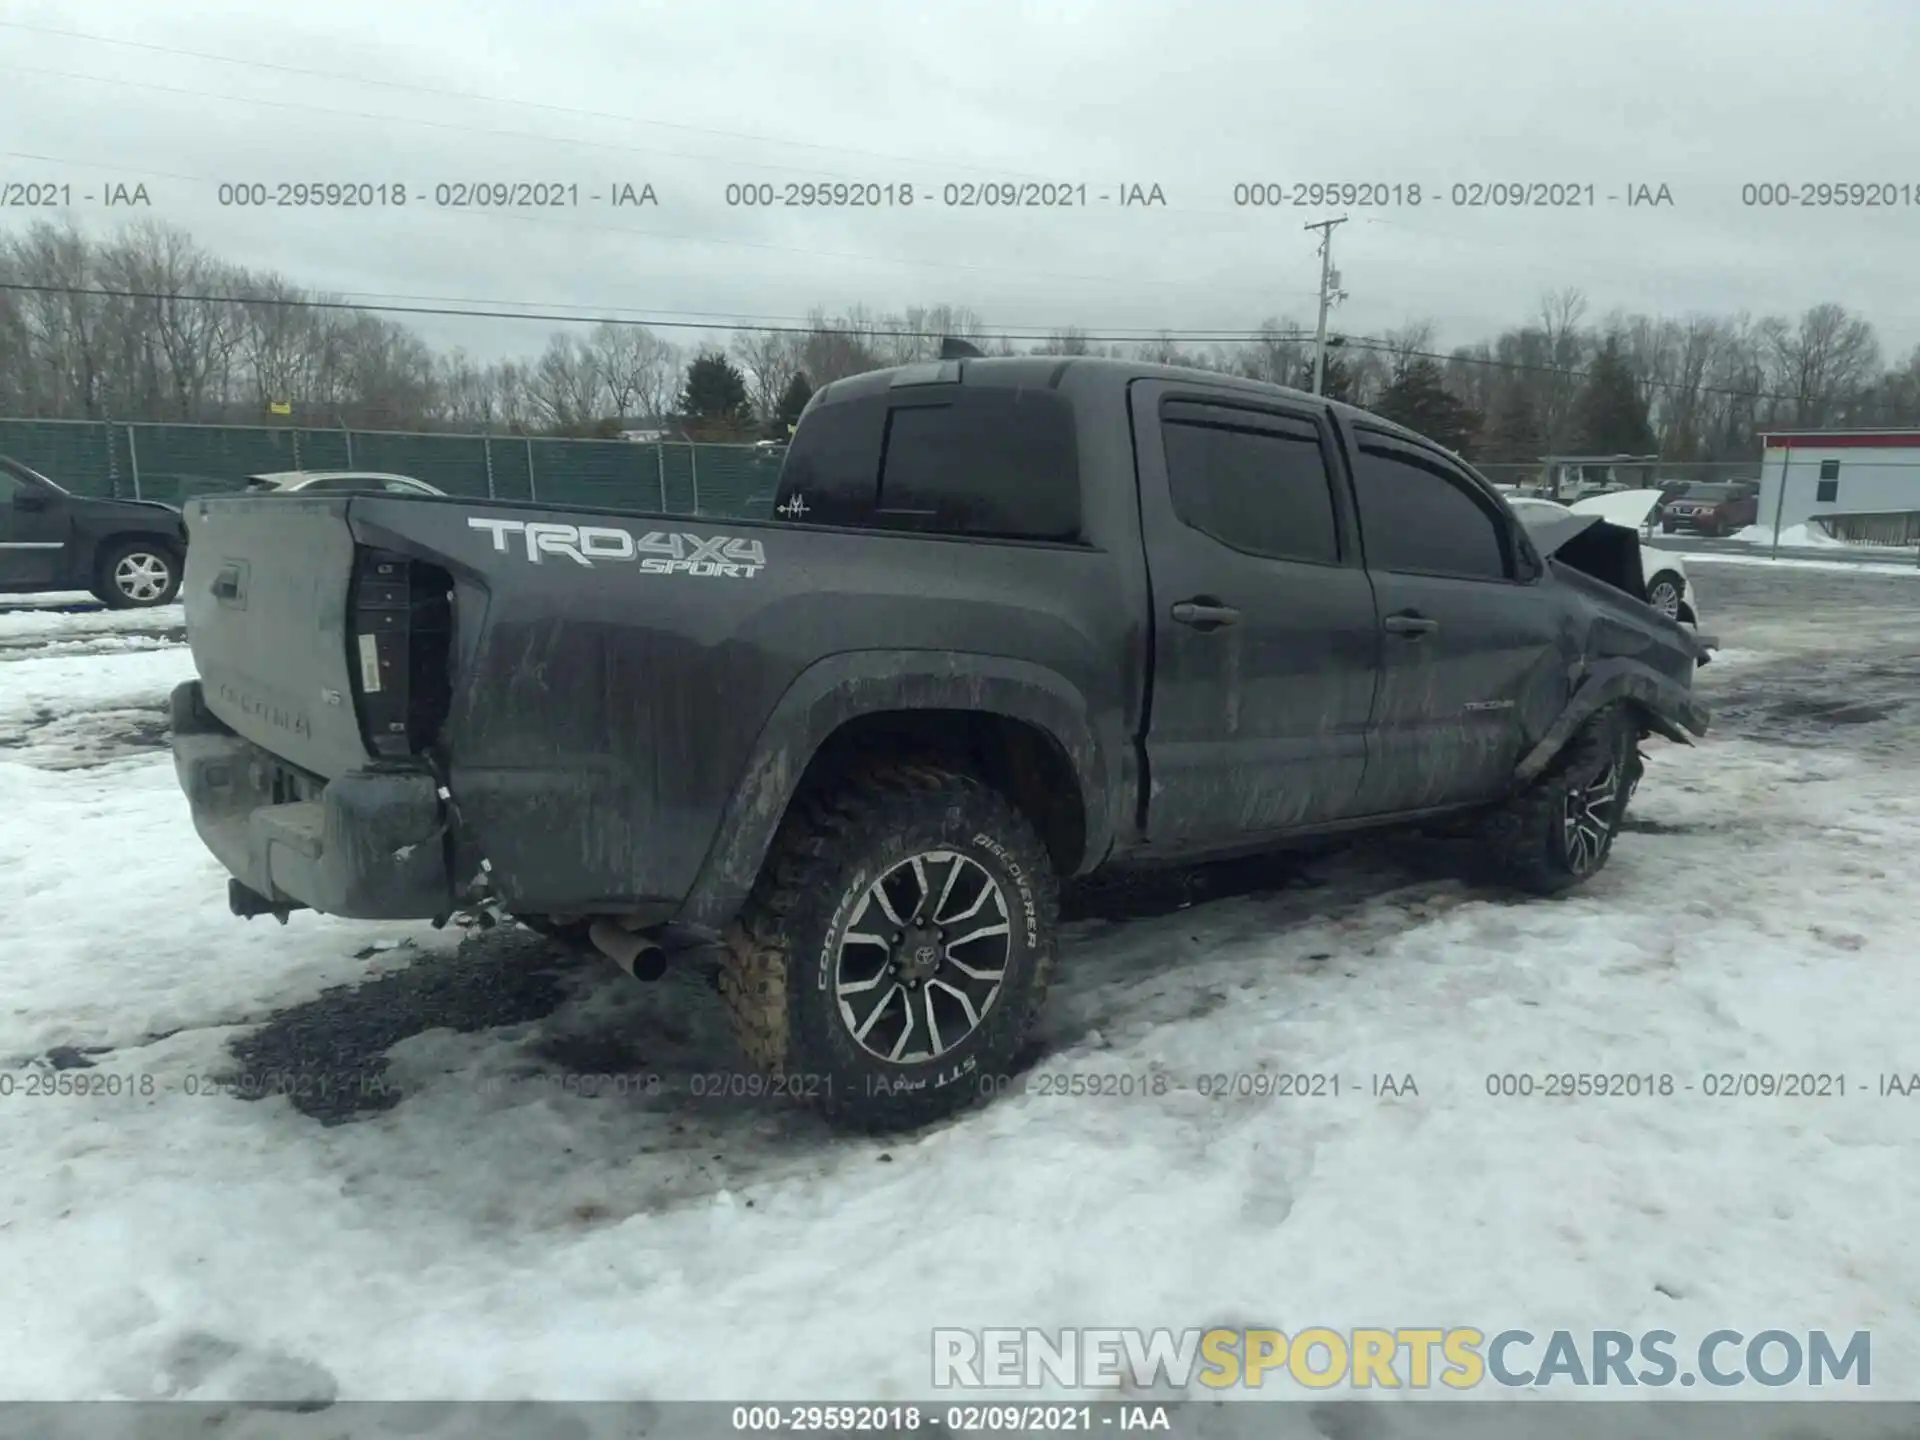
(1205, 614)
(1414, 625)
(226, 585)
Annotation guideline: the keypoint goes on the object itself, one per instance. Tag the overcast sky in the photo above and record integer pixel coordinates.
(1701, 96)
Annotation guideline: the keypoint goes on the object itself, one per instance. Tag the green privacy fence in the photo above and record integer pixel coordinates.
(172, 462)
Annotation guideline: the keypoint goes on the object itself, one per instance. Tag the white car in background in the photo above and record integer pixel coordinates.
(1668, 589)
(336, 482)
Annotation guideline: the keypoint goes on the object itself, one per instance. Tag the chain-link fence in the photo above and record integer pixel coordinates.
(172, 462)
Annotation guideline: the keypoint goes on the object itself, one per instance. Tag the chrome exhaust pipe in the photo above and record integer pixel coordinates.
(640, 957)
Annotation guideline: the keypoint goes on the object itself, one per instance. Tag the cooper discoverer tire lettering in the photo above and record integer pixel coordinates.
(897, 946)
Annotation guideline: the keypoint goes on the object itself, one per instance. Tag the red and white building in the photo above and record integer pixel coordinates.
(1859, 485)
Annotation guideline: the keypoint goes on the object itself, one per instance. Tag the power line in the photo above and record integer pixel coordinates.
(1521, 367)
(1016, 332)
(1209, 337)
(539, 218)
(302, 303)
(997, 171)
(446, 94)
(448, 125)
(497, 134)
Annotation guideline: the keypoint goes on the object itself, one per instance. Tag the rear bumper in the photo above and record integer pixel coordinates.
(368, 845)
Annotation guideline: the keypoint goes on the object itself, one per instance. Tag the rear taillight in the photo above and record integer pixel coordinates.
(400, 615)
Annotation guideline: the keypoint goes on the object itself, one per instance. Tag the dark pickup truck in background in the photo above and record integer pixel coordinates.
(128, 553)
(1015, 620)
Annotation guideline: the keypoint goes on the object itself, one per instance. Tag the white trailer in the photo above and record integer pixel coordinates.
(1861, 486)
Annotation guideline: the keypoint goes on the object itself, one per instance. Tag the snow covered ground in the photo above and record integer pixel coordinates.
(508, 1186)
(1861, 562)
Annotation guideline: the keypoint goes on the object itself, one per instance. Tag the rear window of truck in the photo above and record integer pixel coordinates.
(987, 461)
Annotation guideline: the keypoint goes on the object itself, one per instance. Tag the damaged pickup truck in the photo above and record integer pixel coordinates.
(1014, 620)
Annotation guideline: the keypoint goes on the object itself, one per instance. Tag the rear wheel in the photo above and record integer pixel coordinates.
(1559, 831)
(138, 575)
(897, 947)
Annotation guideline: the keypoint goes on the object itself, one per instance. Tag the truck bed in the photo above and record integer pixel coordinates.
(595, 689)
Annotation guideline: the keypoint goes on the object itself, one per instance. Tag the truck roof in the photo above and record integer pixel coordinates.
(1050, 372)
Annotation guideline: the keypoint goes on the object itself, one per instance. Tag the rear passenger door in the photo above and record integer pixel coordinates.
(1469, 640)
(34, 526)
(1265, 641)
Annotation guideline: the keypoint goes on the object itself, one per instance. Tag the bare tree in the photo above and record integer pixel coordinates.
(769, 359)
(1696, 342)
(184, 340)
(1277, 356)
(64, 324)
(1070, 341)
(838, 347)
(638, 371)
(1824, 363)
(1408, 342)
(565, 385)
(185, 336)
(1563, 349)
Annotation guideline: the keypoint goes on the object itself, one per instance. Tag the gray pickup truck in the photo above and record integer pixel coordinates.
(1014, 620)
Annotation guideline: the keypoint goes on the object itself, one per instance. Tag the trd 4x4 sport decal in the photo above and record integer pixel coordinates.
(726, 556)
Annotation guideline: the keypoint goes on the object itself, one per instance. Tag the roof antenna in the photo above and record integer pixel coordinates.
(955, 349)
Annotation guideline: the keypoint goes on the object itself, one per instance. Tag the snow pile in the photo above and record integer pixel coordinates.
(59, 684)
(1803, 536)
(46, 620)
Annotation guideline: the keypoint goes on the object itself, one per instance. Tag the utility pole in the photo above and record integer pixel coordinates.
(1330, 294)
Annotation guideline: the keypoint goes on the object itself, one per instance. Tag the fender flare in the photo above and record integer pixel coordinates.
(843, 687)
(1668, 708)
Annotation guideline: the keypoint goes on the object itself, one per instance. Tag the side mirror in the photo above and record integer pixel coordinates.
(29, 500)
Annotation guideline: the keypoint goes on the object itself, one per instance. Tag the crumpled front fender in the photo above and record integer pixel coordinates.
(1667, 708)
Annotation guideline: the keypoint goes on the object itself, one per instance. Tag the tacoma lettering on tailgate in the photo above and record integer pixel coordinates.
(657, 553)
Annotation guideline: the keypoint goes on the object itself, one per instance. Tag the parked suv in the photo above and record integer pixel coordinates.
(1016, 620)
(128, 553)
(1712, 508)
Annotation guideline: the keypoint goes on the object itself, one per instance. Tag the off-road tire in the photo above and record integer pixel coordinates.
(108, 586)
(781, 954)
(1526, 844)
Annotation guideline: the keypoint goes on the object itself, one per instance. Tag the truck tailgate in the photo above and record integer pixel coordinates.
(266, 597)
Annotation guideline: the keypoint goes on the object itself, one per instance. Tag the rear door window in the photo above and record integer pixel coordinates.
(831, 475)
(989, 461)
(992, 461)
(1257, 483)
